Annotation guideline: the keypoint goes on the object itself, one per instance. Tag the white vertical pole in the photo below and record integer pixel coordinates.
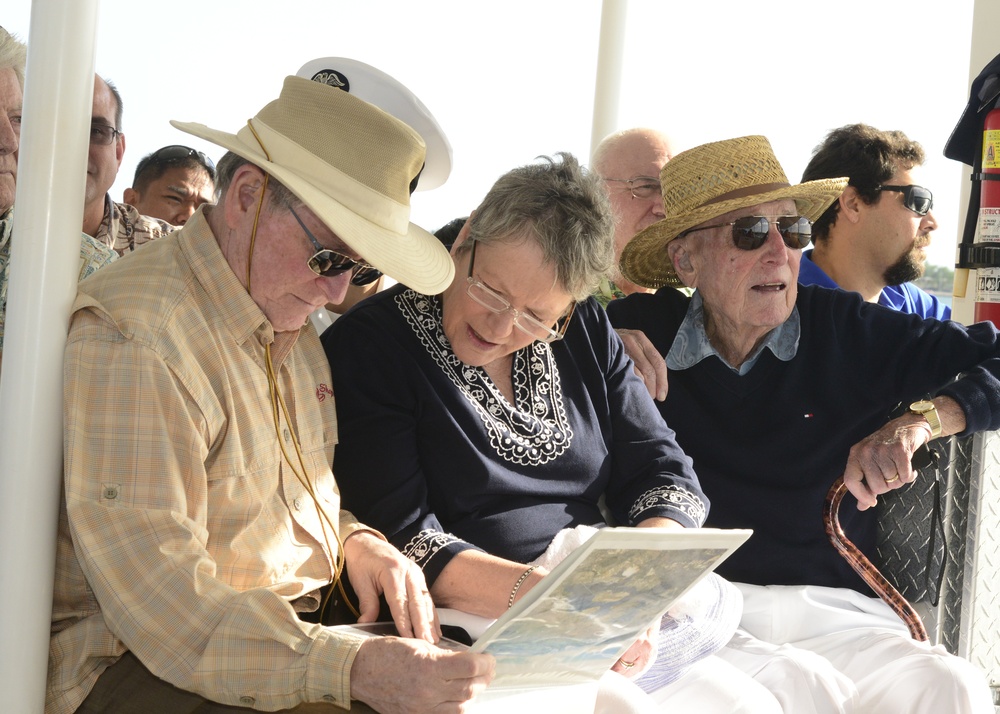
(609, 70)
(45, 264)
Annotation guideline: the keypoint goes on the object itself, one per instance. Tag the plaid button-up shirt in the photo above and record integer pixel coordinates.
(185, 534)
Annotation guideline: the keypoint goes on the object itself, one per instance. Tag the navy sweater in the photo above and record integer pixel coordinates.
(767, 446)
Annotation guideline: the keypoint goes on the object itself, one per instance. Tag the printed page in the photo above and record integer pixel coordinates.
(573, 625)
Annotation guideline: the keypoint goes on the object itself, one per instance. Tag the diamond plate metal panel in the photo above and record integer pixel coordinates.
(904, 537)
(904, 534)
(980, 605)
(968, 608)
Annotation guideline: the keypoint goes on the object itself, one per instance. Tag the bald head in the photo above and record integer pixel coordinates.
(635, 155)
(632, 150)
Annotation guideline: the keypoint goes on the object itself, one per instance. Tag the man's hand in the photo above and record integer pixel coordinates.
(881, 462)
(376, 567)
(649, 364)
(640, 656)
(400, 676)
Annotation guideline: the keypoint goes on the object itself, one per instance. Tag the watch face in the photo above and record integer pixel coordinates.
(922, 406)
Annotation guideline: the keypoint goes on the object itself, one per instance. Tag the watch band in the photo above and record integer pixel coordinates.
(928, 411)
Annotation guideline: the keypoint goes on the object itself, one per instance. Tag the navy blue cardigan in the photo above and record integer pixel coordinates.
(767, 446)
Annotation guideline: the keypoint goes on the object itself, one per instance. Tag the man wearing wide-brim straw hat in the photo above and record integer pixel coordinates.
(392, 96)
(201, 512)
(776, 391)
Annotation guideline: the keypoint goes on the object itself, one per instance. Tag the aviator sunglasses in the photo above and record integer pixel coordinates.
(917, 198)
(750, 232)
(329, 263)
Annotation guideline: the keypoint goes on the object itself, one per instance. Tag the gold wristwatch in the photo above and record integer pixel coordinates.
(928, 411)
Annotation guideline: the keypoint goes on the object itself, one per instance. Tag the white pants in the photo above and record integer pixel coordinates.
(713, 686)
(834, 651)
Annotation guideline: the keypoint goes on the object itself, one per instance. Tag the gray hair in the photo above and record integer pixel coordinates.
(226, 169)
(13, 55)
(119, 102)
(567, 211)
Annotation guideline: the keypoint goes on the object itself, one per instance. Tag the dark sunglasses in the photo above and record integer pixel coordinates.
(175, 152)
(750, 232)
(329, 263)
(917, 198)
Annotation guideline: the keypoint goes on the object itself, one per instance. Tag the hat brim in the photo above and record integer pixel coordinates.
(415, 258)
(645, 260)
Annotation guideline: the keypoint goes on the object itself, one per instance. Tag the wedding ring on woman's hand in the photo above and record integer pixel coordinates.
(627, 665)
(894, 478)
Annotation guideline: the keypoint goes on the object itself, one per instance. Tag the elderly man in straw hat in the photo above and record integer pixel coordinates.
(200, 511)
(776, 390)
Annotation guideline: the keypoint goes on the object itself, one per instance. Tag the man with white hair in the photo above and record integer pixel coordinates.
(93, 254)
(629, 161)
(201, 512)
(776, 391)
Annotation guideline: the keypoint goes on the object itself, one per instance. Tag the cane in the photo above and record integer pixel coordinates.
(864, 567)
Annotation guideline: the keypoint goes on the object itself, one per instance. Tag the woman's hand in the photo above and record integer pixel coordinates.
(640, 656)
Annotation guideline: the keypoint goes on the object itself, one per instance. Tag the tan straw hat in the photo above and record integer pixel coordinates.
(351, 164)
(708, 181)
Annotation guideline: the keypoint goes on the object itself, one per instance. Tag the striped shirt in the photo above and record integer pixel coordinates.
(185, 535)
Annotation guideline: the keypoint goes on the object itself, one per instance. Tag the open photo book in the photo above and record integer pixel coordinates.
(567, 631)
(573, 625)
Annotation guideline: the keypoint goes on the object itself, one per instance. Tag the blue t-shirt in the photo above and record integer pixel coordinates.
(906, 298)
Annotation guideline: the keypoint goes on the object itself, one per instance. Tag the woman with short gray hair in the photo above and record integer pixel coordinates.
(477, 425)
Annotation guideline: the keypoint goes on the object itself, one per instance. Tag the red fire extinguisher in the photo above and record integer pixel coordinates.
(988, 230)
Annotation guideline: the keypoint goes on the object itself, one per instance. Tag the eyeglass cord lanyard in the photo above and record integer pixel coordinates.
(260, 203)
(276, 401)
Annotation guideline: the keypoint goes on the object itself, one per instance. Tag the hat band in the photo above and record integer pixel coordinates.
(359, 198)
(747, 191)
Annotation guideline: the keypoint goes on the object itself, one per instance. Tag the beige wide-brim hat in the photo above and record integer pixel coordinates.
(352, 164)
(390, 95)
(708, 181)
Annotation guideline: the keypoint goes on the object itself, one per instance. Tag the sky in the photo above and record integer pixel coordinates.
(514, 80)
